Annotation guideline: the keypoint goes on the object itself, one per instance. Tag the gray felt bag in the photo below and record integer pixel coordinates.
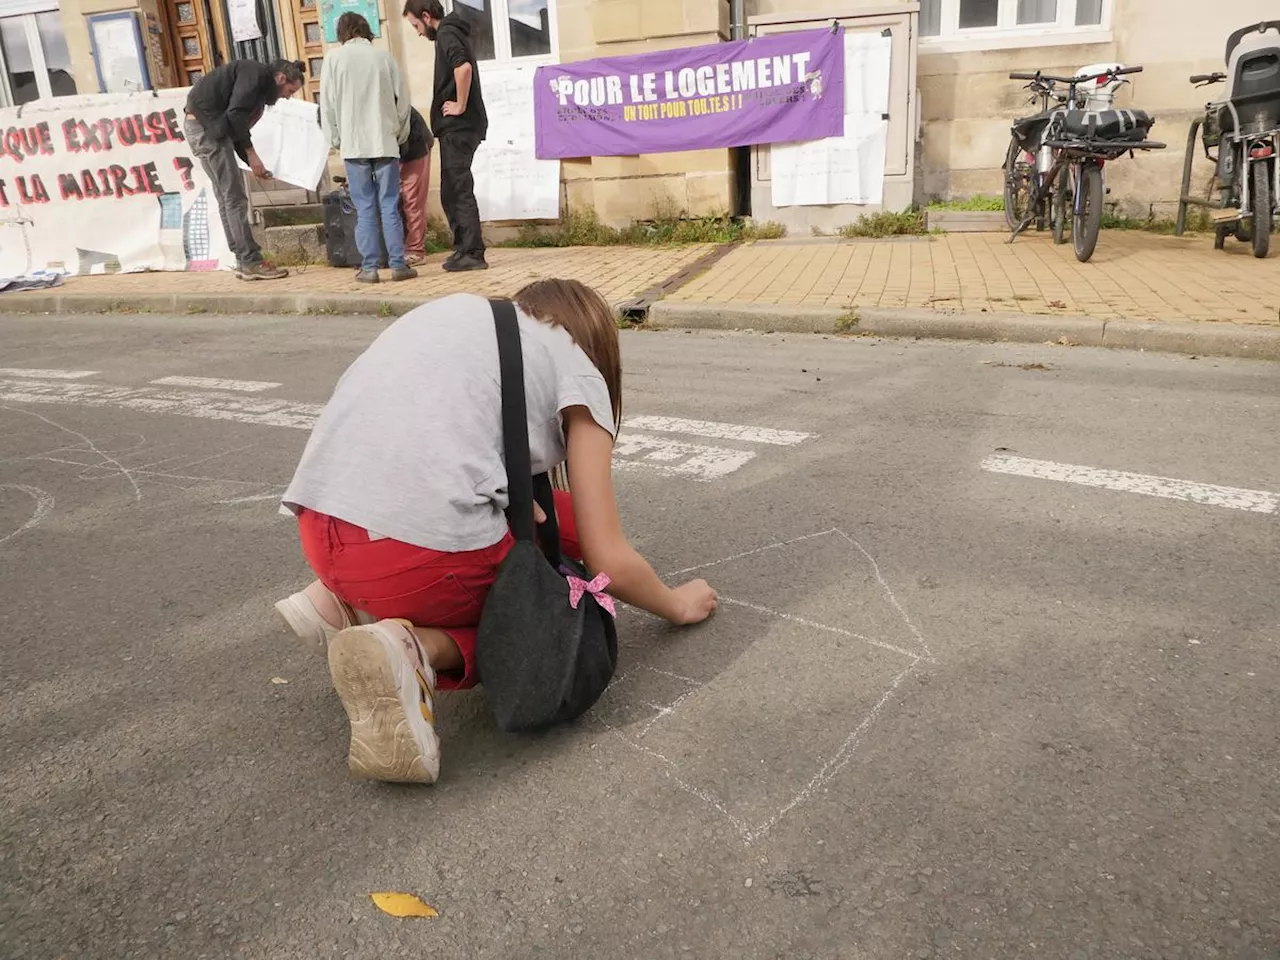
(546, 648)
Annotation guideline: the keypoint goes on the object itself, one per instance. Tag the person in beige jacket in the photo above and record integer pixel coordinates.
(364, 110)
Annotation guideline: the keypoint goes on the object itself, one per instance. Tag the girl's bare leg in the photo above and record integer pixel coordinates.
(441, 652)
(326, 603)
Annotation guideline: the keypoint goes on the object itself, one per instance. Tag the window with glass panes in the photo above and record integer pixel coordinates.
(509, 29)
(34, 58)
(952, 19)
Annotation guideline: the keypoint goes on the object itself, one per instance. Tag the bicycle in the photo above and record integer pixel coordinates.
(1055, 159)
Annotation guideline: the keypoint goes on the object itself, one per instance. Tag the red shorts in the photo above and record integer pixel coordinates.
(394, 580)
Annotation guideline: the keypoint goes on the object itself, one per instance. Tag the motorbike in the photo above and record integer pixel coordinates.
(1054, 165)
(1244, 128)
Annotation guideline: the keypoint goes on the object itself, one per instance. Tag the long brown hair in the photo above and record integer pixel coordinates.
(590, 321)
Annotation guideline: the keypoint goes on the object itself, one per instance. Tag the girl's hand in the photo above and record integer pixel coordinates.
(695, 601)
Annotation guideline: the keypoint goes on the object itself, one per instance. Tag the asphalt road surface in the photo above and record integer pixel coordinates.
(995, 676)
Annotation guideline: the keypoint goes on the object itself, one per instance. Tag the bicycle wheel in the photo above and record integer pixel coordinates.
(1017, 186)
(1088, 211)
(1061, 203)
(1262, 210)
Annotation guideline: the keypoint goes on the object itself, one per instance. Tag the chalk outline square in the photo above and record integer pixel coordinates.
(830, 767)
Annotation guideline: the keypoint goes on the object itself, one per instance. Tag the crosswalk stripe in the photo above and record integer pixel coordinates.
(1210, 494)
(46, 374)
(634, 448)
(216, 383)
(719, 431)
(693, 461)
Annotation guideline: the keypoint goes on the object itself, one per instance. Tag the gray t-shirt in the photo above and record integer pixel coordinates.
(410, 444)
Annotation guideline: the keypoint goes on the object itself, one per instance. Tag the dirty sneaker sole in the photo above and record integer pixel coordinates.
(392, 738)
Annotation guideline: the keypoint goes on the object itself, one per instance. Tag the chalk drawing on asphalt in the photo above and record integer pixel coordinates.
(643, 714)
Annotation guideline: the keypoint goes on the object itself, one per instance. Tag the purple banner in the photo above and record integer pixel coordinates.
(775, 88)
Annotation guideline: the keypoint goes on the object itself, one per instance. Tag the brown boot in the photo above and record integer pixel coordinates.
(262, 270)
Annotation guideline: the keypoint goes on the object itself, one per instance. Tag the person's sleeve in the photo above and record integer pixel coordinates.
(403, 103)
(243, 103)
(452, 49)
(328, 106)
(587, 390)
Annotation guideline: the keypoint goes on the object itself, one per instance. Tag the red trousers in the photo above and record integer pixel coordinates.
(415, 177)
(394, 580)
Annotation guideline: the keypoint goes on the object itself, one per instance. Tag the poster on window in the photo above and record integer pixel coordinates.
(244, 20)
(104, 184)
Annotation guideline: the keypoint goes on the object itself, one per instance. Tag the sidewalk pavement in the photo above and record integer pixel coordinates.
(619, 273)
(1132, 275)
(1139, 290)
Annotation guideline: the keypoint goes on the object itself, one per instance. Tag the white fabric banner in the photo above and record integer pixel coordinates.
(291, 144)
(104, 184)
(847, 169)
(511, 182)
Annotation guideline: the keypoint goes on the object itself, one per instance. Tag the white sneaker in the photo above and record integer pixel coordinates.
(308, 626)
(389, 696)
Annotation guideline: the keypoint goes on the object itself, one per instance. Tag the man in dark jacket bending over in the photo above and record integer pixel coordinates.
(221, 108)
(459, 122)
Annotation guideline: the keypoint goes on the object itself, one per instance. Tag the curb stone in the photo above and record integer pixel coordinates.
(1172, 336)
(281, 303)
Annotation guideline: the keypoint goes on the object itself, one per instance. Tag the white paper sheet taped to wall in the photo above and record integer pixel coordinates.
(291, 144)
(847, 169)
(244, 20)
(511, 182)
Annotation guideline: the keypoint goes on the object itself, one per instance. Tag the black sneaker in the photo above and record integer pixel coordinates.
(403, 273)
(465, 263)
(367, 276)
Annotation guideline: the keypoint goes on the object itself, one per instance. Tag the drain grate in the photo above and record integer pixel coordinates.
(636, 310)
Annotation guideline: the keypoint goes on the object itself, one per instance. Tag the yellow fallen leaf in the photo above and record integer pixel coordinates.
(403, 905)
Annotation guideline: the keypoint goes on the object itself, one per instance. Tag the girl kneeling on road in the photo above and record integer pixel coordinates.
(400, 497)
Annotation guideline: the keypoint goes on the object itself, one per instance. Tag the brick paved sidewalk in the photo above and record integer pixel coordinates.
(1133, 275)
(617, 272)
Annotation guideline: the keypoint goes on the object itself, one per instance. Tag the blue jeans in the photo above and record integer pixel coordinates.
(375, 191)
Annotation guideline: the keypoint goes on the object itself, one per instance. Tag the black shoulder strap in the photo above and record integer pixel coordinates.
(515, 439)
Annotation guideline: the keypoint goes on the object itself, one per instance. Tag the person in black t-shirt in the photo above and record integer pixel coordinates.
(221, 108)
(459, 122)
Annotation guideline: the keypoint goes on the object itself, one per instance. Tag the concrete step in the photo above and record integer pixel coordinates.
(966, 221)
(294, 213)
(292, 245)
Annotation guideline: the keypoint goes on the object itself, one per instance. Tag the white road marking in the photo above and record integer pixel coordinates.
(1209, 494)
(46, 374)
(215, 383)
(719, 431)
(258, 411)
(256, 498)
(675, 458)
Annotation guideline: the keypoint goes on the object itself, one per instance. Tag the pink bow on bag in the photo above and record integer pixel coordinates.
(578, 587)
